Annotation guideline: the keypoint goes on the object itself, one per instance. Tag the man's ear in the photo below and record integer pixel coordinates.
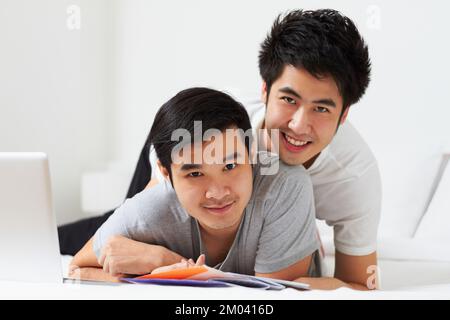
(264, 92)
(163, 170)
(344, 116)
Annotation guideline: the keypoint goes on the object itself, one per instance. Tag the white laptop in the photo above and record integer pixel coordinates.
(29, 247)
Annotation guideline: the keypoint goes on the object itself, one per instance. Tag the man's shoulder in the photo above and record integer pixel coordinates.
(348, 156)
(272, 175)
(348, 174)
(159, 203)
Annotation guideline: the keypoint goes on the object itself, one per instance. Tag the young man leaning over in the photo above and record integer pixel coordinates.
(314, 66)
(211, 201)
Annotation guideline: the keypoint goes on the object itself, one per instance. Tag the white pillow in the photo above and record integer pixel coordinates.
(436, 221)
(407, 177)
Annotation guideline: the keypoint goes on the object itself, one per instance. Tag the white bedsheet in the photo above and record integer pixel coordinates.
(16, 290)
(13, 290)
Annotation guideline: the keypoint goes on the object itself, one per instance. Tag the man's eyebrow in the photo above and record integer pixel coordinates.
(187, 167)
(231, 156)
(291, 91)
(192, 166)
(327, 102)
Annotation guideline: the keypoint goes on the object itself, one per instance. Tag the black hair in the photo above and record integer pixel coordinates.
(324, 43)
(215, 110)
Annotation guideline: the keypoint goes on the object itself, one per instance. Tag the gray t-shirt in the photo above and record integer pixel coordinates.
(277, 228)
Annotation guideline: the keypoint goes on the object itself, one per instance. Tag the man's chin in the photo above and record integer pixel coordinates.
(292, 159)
(222, 226)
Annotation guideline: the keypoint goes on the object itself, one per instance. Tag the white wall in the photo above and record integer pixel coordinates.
(405, 114)
(52, 90)
(88, 97)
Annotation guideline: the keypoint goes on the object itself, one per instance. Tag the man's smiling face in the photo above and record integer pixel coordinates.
(216, 190)
(306, 110)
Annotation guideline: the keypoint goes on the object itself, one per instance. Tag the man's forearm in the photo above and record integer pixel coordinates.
(91, 273)
(160, 257)
(121, 255)
(328, 283)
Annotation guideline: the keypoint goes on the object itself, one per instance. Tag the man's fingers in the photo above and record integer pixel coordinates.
(201, 260)
(73, 267)
(179, 265)
(74, 272)
(116, 267)
(106, 264)
(101, 259)
(113, 266)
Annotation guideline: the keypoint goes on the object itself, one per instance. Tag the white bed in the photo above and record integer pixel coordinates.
(397, 287)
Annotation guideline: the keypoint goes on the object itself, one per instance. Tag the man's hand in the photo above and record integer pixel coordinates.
(360, 272)
(89, 273)
(182, 265)
(121, 256)
(324, 283)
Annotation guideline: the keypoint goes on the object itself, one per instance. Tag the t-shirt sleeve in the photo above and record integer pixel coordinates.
(289, 232)
(138, 218)
(355, 231)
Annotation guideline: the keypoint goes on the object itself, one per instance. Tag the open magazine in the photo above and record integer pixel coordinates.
(204, 276)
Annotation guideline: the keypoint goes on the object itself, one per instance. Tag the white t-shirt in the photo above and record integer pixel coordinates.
(346, 183)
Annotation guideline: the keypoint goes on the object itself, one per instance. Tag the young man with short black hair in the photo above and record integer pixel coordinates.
(212, 200)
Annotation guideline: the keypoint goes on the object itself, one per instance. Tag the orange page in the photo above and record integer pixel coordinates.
(176, 274)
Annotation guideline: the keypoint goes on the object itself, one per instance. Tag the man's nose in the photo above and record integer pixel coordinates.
(217, 191)
(300, 121)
